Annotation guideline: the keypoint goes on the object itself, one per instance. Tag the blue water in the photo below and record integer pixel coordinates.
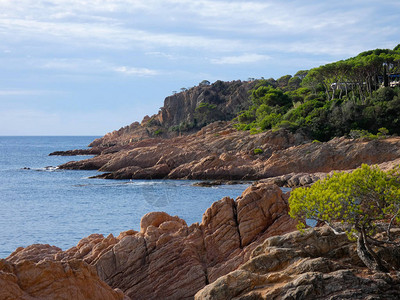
(60, 207)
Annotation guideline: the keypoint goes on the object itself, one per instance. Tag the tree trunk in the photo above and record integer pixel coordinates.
(368, 256)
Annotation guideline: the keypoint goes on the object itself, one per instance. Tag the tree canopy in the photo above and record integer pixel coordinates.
(364, 199)
(359, 93)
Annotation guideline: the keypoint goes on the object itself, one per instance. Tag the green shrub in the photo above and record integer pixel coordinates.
(258, 151)
(157, 132)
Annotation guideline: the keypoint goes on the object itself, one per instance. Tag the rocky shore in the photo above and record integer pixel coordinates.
(246, 248)
(219, 152)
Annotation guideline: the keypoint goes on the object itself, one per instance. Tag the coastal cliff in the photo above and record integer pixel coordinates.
(185, 112)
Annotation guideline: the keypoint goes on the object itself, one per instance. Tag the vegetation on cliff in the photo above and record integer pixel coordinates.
(360, 93)
(366, 199)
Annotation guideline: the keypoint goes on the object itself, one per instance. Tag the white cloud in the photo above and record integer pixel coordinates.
(214, 26)
(25, 92)
(90, 66)
(136, 71)
(240, 59)
(74, 45)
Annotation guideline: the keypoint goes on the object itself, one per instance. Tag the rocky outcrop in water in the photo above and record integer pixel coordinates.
(219, 152)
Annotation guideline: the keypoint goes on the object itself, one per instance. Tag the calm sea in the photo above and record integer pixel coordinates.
(41, 204)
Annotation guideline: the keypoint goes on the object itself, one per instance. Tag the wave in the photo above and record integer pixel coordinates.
(44, 169)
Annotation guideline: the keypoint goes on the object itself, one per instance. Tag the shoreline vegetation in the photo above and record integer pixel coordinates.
(290, 132)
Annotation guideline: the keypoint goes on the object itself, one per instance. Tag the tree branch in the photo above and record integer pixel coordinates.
(390, 225)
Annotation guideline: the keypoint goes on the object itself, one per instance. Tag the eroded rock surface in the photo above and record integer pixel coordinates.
(167, 259)
(219, 152)
(315, 265)
(49, 279)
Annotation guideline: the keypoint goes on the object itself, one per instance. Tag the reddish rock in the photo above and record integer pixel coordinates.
(49, 279)
(219, 152)
(169, 260)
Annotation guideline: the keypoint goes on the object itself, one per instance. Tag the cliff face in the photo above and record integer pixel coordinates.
(186, 112)
(205, 104)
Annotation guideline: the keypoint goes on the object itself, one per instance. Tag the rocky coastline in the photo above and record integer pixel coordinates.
(246, 248)
(219, 152)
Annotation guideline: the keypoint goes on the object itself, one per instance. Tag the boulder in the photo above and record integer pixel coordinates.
(49, 279)
(310, 265)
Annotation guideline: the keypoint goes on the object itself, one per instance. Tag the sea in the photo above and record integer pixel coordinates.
(40, 203)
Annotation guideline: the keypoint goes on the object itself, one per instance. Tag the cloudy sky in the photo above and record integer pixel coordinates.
(89, 67)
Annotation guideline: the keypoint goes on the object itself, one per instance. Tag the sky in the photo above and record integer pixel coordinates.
(90, 67)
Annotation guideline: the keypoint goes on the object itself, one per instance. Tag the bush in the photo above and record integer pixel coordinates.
(258, 151)
(157, 132)
(363, 198)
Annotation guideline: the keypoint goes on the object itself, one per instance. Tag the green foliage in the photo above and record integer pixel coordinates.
(362, 134)
(285, 124)
(283, 81)
(183, 126)
(157, 132)
(205, 106)
(383, 131)
(255, 130)
(258, 151)
(336, 99)
(361, 198)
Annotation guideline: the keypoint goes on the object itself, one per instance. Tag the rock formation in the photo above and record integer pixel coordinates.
(293, 180)
(218, 152)
(168, 259)
(185, 112)
(315, 265)
(246, 248)
(49, 279)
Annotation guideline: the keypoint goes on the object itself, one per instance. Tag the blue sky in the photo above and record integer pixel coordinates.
(89, 67)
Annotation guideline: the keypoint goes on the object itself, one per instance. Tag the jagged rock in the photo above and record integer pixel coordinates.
(215, 152)
(49, 279)
(313, 265)
(182, 113)
(90, 151)
(259, 206)
(219, 152)
(35, 253)
(168, 259)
